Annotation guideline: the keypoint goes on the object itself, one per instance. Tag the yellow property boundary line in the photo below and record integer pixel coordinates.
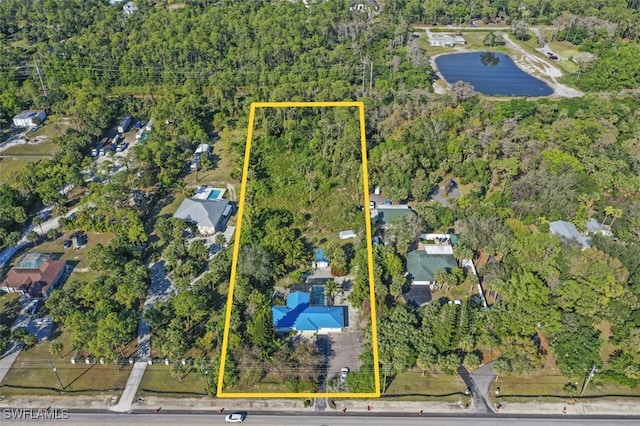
(236, 248)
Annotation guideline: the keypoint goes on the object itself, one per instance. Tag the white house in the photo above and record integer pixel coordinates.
(345, 235)
(595, 227)
(29, 118)
(445, 40)
(568, 232)
(210, 216)
(129, 8)
(203, 148)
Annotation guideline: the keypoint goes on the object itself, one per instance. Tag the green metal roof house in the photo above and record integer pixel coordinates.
(386, 213)
(422, 266)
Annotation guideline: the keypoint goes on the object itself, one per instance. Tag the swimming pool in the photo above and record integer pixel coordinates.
(216, 193)
(208, 193)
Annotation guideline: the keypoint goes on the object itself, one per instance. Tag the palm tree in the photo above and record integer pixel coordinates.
(607, 211)
(331, 288)
(461, 253)
(441, 278)
(33, 237)
(38, 222)
(615, 214)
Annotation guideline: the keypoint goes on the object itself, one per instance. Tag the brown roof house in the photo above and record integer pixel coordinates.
(35, 275)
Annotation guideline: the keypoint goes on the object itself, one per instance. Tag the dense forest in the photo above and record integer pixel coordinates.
(520, 164)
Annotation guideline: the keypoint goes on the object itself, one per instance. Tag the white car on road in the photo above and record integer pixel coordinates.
(235, 418)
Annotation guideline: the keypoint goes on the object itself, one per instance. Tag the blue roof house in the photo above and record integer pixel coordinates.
(299, 315)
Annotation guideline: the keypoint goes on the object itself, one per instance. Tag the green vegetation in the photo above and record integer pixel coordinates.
(160, 380)
(101, 315)
(33, 371)
(414, 385)
(298, 192)
(520, 164)
(9, 309)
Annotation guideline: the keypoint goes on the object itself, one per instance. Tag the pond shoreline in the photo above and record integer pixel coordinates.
(492, 74)
(525, 61)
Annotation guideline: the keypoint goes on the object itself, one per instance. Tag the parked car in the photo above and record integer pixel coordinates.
(235, 418)
(343, 374)
(372, 205)
(66, 244)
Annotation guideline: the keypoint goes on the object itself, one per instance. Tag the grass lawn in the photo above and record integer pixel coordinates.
(461, 292)
(9, 168)
(77, 258)
(53, 127)
(171, 207)
(548, 386)
(568, 51)
(220, 175)
(158, 380)
(412, 385)
(9, 308)
(474, 39)
(32, 373)
(564, 49)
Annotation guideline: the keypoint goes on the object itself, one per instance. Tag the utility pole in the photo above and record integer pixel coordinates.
(588, 379)
(371, 79)
(44, 89)
(55, 370)
(363, 71)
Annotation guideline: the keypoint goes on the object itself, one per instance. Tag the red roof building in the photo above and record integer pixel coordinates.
(36, 275)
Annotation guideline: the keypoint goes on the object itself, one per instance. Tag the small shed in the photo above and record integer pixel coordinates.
(29, 118)
(345, 235)
(319, 260)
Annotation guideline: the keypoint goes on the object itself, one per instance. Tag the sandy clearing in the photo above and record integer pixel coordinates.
(20, 139)
(534, 65)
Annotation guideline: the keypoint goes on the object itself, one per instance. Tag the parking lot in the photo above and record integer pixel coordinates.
(113, 161)
(342, 349)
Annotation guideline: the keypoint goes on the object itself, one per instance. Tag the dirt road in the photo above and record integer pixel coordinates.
(541, 68)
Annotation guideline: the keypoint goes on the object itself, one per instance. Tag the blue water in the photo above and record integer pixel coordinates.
(490, 73)
(317, 295)
(214, 194)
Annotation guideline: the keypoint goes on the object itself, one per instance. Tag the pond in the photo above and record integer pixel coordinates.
(490, 73)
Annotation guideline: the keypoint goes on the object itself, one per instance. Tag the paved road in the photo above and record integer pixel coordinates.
(76, 418)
